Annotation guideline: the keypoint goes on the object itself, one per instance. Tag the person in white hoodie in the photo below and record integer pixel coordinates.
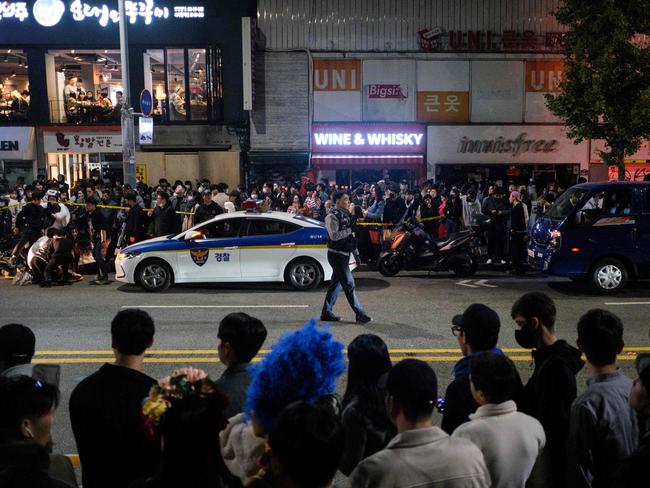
(58, 213)
(511, 442)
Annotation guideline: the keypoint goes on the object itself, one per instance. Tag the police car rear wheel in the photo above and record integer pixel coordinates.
(154, 275)
(303, 274)
(609, 276)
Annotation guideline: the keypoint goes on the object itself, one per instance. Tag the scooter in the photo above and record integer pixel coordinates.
(411, 248)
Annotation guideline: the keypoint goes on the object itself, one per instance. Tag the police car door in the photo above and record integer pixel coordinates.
(215, 254)
(266, 248)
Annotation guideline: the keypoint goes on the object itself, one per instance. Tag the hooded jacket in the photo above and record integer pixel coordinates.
(459, 402)
(548, 396)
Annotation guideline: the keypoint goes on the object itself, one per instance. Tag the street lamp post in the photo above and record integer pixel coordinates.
(128, 128)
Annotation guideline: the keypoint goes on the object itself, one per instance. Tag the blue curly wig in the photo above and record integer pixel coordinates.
(302, 365)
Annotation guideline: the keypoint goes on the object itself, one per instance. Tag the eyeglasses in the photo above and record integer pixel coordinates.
(456, 330)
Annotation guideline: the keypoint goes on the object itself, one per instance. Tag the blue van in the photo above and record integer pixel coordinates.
(598, 233)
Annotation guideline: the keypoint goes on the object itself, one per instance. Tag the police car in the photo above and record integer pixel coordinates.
(234, 247)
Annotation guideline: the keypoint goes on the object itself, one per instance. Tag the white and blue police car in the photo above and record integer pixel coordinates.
(234, 247)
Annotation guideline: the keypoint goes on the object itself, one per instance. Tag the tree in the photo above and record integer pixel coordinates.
(606, 91)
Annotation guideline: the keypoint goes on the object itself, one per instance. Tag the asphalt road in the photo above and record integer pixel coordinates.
(411, 312)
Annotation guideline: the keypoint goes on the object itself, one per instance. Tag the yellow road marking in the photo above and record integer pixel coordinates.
(91, 352)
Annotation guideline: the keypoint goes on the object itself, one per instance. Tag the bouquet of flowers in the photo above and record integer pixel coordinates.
(183, 383)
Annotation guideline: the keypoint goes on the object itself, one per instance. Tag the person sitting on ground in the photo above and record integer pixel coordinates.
(26, 417)
(603, 429)
(305, 445)
(17, 346)
(38, 255)
(240, 338)
(420, 454)
(635, 467)
(500, 432)
(551, 389)
(60, 251)
(105, 409)
(185, 410)
(303, 365)
(477, 330)
(366, 424)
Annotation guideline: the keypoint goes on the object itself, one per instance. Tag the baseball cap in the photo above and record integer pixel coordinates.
(16, 341)
(480, 318)
(413, 380)
(206, 193)
(642, 364)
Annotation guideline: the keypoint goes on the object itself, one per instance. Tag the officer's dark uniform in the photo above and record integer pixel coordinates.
(340, 244)
(30, 222)
(206, 212)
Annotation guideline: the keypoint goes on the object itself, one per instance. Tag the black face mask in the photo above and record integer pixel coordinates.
(526, 337)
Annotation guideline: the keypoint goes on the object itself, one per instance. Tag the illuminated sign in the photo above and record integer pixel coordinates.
(49, 13)
(368, 138)
(146, 130)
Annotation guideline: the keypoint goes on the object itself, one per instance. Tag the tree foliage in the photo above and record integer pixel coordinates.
(606, 91)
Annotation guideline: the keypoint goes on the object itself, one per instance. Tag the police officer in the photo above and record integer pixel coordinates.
(208, 209)
(340, 244)
(29, 223)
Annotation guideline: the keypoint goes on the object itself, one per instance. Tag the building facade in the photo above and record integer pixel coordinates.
(62, 87)
(470, 77)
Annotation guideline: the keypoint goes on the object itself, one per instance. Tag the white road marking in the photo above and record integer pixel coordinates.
(484, 283)
(215, 306)
(626, 303)
(467, 283)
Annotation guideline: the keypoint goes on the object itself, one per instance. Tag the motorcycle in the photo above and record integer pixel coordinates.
(411, 248)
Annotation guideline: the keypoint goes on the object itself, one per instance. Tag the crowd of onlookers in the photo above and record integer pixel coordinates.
(280, 423)
(78, 230)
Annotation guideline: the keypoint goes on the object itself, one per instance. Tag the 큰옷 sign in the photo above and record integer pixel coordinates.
(443, 106)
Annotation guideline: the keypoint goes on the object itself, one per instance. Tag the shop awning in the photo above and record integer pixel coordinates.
(352, 161)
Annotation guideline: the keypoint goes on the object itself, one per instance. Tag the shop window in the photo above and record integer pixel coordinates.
(14, 86)
(84, 86)
(185, 83)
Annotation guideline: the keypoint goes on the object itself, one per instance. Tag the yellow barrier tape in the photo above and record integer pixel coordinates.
(381, 224)
(112, 207)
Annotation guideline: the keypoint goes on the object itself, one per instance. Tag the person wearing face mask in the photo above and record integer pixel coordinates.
(551, 389)
(27, 410)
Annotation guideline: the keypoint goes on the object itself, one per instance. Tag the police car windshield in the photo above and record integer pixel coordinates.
(310, 220)
(561, 208)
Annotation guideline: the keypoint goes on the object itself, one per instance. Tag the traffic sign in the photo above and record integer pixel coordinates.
(146, 102)
(146, 130)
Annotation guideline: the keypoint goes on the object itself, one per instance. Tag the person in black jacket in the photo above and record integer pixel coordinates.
(208, 209)
(551, 389)
(135, 226)
(394, 208)
(30, 222)
(453, 213)
(366, 425)
(60, 251)
(106, 410)
(518, 232)
(495, 208)
(165, 219)
(99, 236)
(477, 330)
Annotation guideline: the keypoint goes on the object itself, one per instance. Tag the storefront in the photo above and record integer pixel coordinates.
(76, 152)
(67, 55)
(637, 165)
(365, 152)
(17, 158)
(504, 153)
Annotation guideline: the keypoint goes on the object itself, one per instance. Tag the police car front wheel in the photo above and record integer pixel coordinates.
(303, 274)
(154, 275)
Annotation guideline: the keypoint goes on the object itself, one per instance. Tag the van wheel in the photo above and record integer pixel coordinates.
(303, 274)
(154, 275)
(609, 276)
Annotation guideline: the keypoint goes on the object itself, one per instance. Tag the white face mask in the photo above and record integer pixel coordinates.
(254, 196)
